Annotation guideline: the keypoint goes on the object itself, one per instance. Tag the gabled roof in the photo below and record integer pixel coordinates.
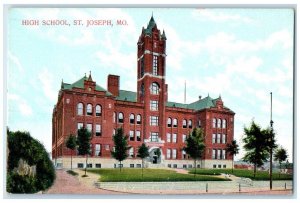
(125, 95)
(150, 26)
(80, 84)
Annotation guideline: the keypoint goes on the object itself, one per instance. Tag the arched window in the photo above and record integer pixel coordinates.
(219, 123)
(89, 109)
(175, 123)
(190, 124)
(224, 123)
(154, 88)
(80, 109)
(184, 123)
(98, 110)
(121, 118)
(214, 122)
(169, 122)
(138, 119)
(131, 118)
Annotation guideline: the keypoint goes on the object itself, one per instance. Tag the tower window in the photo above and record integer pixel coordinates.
(154, 88)
(89, 109)
(79, 109)
(153, 105)
(155, 69)
(121, 118)
(98, 110)
(142, 67)
(154, 120)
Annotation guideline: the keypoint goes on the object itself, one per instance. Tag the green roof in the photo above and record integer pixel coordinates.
(150, 26)
(80, 84)
(125, 95)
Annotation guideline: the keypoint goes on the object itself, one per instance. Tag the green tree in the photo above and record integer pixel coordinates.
(29, 168)
(143, 152)
(280, 156)
(71, 144)
(256, 145)
(233, 149)
(195, 145)
(84, 144)
(121, 146)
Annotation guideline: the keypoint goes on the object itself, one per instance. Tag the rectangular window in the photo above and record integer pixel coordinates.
(90, 165)
(169, 166)
(98, 165)
(153, 105)
(183, 138)
(138, 135)
(168, 137)
(79, 125)
(223, 138)
(168, 153)
(154, 137)
(224, 166)
(131, 135)
(106, 147)
(183, 154)
(155, 72)
(219, 138)
(213, 154)
(97, 150)
(139, 165)
(190, 123)
(214, 166)
(184, 166)
(213, 138)
(223, 154)
(114, 131)
(174, 153)
(218, 154)
(174, 138)
(154, 120)
(89, 127)
(131, 165)
(80, 165)
(174, 165)
(219, 166)
(98, 130)
(131, 152)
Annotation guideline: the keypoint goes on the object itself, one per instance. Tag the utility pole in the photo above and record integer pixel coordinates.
(271, 145)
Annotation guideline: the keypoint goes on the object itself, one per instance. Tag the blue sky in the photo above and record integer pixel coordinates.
(242, 54)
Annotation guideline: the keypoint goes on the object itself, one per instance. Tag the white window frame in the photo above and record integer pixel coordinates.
(190, 123)
(89, 109)
(224, 138)
(174, 153)
(131, 135)
(214, 138)
(154, 136)
(214, 122)
(219, 123)
(218, 138)
(154, 88)
(184, 138)
(79, 125)
(154, 120)
(98, 151)
(224, 123)
(184, 123)
(98, 129)
(168, 153)
(175, 123)
(223, 154)
(168, 137)
(131, 152)
(153, 105)
(98, 110)
(138, 135)
(169, 122)
(120, 117)
(174, 138)
(89, 127)
(131, 118)
(138, 119)
(155, 65)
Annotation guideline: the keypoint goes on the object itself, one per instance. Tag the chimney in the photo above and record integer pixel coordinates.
(113, 84)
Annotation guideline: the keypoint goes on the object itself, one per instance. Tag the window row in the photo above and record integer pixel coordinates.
(217, 138)
(173, 138)
(89, 109)
(171, 153)
(89, 127)
(218, 154)
(218, 123)
(132, 118)
(134, 136)
(185, 123)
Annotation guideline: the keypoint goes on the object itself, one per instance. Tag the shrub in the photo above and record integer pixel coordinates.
(25, 150)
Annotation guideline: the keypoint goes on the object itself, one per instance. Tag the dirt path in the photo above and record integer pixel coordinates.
(68, 184)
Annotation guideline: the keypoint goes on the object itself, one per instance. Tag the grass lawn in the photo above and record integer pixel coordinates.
(260, 175)
(155, 175)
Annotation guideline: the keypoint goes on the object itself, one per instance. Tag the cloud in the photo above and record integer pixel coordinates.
(219, 16)
(46, 79)
(22, 105)
(86, 38)
(15, 60)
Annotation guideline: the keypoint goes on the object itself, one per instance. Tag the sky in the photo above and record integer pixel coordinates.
(240, 54)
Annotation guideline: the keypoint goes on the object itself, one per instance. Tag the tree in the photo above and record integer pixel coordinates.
(256, 145)
(71, 144)
(29, 168)
(121, 146)
(233, 149)
(143, 152)
(280, 156)
(84, 144)
(195, 145)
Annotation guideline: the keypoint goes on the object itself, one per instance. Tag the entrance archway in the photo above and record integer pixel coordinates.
(155, 155)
